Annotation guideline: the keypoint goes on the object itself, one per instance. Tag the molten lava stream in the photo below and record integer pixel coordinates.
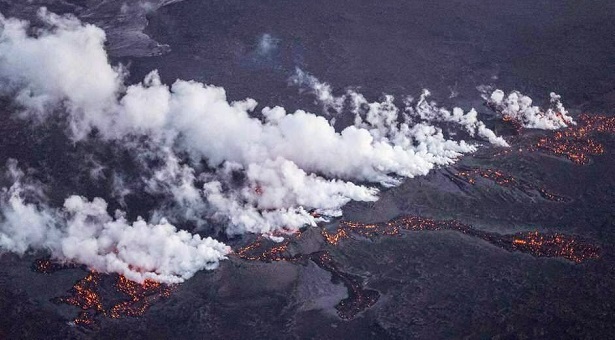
(124, 298)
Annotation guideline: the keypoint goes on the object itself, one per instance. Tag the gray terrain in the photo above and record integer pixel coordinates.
(427, 284)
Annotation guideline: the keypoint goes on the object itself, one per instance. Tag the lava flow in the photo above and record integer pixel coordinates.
(85, 295)
(501, 178)
(557, 245)
(575, 143)
(109, 295)
(534, 243)
(359, 298)
(572, 142)
(46, 266)
(265, 250)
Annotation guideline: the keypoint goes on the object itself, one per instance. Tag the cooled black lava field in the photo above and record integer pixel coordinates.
(389, 176)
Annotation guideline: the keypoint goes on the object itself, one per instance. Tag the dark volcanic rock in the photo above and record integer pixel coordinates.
(423, 284)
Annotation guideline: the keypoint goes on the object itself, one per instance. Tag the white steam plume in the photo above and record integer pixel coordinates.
(384, 116)
(83, 232)
(267, 44)
(430, 112)
(321, 90)
(61, 64)
(292, 163)
(518, 107)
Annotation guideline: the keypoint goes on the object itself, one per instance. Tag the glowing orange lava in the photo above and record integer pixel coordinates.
(534, 243)
(136, 297)
(575, 142)
(495, 175)
(554, 245)
(360, 298)
(47, 266)
(503, 179)
(514, 122)
(265, 250)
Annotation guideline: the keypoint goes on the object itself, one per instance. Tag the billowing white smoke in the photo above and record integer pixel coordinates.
(518, 107)
(83, 232)
(384, 116)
